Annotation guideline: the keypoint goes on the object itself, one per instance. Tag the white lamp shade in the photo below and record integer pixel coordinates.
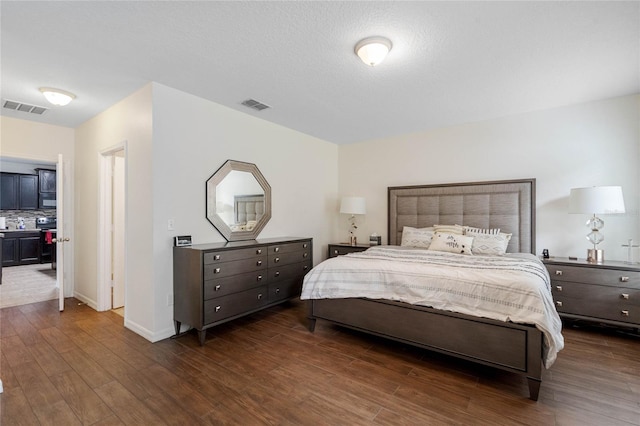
(373, 50)
(353, 205)
(596, 200)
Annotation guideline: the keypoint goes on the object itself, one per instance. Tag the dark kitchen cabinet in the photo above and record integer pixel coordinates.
(20, 248)
(18, 191)
(46, 188)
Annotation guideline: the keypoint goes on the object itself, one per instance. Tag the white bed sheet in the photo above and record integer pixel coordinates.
(514, 287)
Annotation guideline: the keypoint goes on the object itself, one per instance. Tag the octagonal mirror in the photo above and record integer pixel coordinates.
(238, 201)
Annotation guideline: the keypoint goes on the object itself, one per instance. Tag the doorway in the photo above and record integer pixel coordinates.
(112, 294)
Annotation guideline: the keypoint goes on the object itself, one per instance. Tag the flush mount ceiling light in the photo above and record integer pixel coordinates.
(57, 96)
(373, 50)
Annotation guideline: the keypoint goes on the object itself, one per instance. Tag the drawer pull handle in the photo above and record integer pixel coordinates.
(625, 313)
(259, 277)
(305, 267)
(277, 290)
(624, 279)
(217, 288)
(216, 271)
(336, 252)
(276, 260)
(277, 249)
(216, 257)
(305, 255)
(259, 251)
(259, 296)
(559, 287)
(259, 263)
(625, 296)
(277, 274)
(218, 308)
(305, 245)
(558, 272)
(559, 303)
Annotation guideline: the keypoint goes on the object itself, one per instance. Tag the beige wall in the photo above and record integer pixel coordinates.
(130, 121)
(597, 143)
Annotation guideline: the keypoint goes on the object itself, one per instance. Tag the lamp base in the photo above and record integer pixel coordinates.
(595, 256)
(352, 240)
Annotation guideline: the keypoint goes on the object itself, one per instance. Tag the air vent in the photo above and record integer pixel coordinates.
(19, 106)
(252, 103)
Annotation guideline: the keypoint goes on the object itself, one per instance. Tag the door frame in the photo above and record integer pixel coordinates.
(105, 218)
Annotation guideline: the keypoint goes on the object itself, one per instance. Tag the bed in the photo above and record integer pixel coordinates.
(518, 347)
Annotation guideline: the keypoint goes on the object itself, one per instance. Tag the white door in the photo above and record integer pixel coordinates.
(60, 239)
(118, 230)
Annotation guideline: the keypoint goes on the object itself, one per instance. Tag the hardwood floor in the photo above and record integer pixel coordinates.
(84, 367)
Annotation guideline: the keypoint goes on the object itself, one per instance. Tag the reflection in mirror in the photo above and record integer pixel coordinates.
(238, 200)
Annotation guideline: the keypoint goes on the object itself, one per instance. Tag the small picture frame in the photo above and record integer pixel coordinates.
(182, 240)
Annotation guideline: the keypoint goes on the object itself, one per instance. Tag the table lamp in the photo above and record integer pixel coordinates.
(596, 200)
(353, 206)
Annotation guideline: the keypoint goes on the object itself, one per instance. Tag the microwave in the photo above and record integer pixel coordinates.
(47, 200)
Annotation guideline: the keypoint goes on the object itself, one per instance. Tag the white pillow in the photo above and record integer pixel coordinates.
(451, 243)
(469, 230)
(449, 229)
(416, 237)
(490, 244)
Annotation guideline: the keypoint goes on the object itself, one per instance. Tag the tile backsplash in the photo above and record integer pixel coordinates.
(28, 215)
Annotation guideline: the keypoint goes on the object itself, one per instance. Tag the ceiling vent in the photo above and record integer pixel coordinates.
(19, 106)
(253, 104)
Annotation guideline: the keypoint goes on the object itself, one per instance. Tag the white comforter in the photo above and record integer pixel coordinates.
(515, 287)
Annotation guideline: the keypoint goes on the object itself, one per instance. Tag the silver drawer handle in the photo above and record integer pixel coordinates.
(218, 308)
(625, 296)
(305, 267)
(277, 290)
(216, 288)
(558, 303)
(276, 260)
(305, 245)
(259, 277)
(259, 263)
(277, 249)
(277, 274)
(305, 255)
(558, 272)
(216, 271)
(259, 251)
(259, 296)
(216, 257)
(625, 313)
(624, 279)
(335, 252)
(559, 287)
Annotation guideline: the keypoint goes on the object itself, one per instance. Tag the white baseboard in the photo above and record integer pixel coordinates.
(90, 302)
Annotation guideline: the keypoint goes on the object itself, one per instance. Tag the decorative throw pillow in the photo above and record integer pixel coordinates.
(451, 243)
(416, 237)
(449, 229)
(469, 230)
(491, 244)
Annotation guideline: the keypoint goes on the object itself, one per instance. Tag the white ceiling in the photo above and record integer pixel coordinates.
(451, 62)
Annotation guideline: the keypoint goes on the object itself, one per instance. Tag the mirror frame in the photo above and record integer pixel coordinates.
(213, 217)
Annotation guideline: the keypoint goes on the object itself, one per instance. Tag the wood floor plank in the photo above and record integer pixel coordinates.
(82, 400)
(126, 406)
(48, 359)
(92, 373)
(15, 408)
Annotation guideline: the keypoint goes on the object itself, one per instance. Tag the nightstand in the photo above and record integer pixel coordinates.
(344, 248)
(607, 292)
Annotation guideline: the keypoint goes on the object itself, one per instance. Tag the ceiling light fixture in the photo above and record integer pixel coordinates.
(57, 96)
(373, 50)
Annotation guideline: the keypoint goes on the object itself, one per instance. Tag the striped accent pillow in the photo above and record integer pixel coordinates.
(469, 230)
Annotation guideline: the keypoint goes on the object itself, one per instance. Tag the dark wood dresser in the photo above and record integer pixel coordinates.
(219, 282)
(344, 248)
(607, 292)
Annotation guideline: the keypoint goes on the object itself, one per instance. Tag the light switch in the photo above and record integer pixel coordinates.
(171, 224)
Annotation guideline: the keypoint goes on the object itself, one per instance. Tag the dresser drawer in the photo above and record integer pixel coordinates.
(594, 275)
(590, 292)
(217, 270)
(285, 289)
(234, 304)
(229, 255)
(285, 272)
(218, 287)
(277, 260)
(289, 247)
(603, 309)
(340, 250)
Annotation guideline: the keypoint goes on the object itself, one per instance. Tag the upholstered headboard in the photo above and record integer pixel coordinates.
(508, 205)
(248, 207)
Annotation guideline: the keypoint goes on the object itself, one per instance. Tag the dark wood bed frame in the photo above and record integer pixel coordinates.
(508, 205)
